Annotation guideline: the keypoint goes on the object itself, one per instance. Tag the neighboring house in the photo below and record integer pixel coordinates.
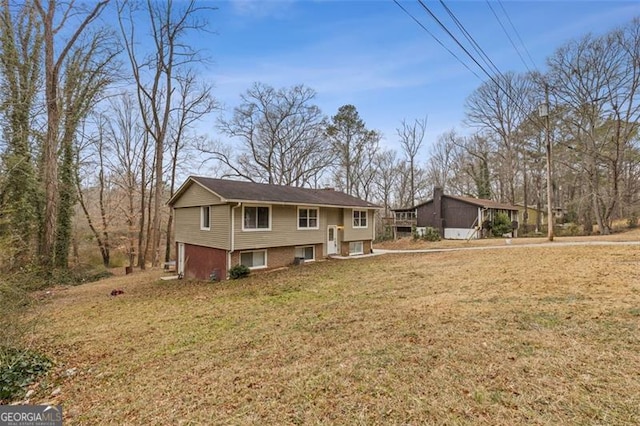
(532, 215)
(220, 223)
(453, 216)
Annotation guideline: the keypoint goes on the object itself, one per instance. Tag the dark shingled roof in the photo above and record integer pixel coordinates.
(487, 204)
(235, 191)
(480, 202)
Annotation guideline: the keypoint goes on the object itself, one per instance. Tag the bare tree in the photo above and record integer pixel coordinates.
(94, 153)
(473, 160)
(70, 48)
(194, 101)
(157, 76)
(441, 163)
(496, 109)
(411, 138)
(387, 177)
(596, 82)
(128, 164)
(279, 136)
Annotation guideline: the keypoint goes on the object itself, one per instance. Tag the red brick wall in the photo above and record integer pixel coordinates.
(278, 257)
(200, 262)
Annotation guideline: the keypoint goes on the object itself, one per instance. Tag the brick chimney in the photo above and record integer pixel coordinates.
(438, 210)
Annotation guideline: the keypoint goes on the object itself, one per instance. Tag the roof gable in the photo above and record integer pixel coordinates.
(241, 191)
(481, 202)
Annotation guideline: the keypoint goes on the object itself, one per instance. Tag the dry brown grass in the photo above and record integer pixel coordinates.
(411, 244)
(526, 336)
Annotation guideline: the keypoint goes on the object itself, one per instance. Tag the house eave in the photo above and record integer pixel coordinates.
(291, 203)
(186, 185)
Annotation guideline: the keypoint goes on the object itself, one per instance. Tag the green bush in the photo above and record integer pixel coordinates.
(501, 225)
(385, 235)
(632, 222)
(414, 233)
(238, 271)
(18, 369)
(431, 234)
(79, 275)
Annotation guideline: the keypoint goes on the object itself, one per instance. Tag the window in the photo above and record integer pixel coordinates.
(256, 218)
(307, 253)
(205, 218)
(359, 218)
(356, 247)
(307, 218)
(254, 259)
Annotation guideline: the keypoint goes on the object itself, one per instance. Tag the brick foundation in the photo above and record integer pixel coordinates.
(201, 262)
(278, 257)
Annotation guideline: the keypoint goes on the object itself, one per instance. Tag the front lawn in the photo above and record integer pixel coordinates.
(523, 336)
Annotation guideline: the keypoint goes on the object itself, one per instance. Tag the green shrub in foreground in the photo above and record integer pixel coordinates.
(18, 369)
(429, 234)
(238, 271)
(501, 225)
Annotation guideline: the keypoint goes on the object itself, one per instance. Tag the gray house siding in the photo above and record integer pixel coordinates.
(459, 214)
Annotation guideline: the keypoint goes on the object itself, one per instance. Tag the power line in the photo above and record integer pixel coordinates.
(453, 37)
(508, 36)
(498, 85)
(483, 55)
(518, 35)
(436, 39)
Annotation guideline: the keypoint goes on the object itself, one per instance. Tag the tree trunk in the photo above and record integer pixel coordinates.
(50, 146)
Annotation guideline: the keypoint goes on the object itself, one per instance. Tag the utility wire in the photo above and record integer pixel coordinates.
(436, 39)
(444, 27)
(518, 35)
(508, 36)
(466, 51)
(483, 55)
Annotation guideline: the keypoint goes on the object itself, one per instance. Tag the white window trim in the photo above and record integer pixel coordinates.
(256, 229)
(309, 227)
(205, 228)
(251, 268)
(366, 215)
(355, 253)
(314, 252)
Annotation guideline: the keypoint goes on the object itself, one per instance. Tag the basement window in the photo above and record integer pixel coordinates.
(308, 253)
(356, 247)
(254, 259)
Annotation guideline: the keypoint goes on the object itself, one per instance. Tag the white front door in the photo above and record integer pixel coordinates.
(332, 239)
(180, 259)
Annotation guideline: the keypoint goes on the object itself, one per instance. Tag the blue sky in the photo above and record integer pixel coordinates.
(372, 55)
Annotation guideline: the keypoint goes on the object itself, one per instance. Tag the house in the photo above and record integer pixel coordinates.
(220, 223)
(537, 218)
(453, 216)
(533, 217)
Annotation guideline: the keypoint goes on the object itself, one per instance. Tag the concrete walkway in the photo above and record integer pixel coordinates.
(379, 252)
